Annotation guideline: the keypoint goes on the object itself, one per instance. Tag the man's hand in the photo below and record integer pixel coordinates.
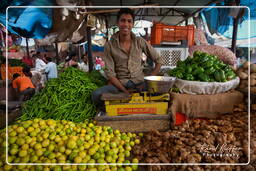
(116, 82)
(156, 69)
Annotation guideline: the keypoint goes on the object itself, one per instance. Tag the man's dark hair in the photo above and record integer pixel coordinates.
(71, 54)
(15, 75)
(26, 69)
(35, 56)
(125, 11)
(49, 59)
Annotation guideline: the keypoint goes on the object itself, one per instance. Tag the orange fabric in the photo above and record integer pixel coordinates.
(22, 83)
(180, 118)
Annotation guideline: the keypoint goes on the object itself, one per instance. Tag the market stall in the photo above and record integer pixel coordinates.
(194, 112)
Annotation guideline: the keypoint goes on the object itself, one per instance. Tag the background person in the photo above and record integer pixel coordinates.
(39, 62)
(51, 69)
(23, 85)
(83, 65)
(40, 67)
(71, 60)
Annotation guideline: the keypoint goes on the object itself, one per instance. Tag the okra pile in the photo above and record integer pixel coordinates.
(67, 97)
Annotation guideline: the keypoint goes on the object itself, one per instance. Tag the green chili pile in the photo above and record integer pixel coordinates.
(65, 98)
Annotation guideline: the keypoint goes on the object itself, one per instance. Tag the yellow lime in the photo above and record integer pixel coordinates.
(23, 153)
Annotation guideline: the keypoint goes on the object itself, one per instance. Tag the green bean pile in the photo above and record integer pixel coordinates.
(65, 98)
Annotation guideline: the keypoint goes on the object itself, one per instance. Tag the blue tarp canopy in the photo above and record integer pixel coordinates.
(27, 22)
(95, 48)
(220, 21)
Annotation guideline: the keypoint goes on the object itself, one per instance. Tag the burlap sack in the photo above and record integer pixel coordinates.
(204, 106)
(197, 87)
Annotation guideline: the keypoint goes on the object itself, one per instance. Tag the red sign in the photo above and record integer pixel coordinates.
(145, 110)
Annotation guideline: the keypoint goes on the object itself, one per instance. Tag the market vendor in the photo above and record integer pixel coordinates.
(71, 60)
(123, 58)
(23, 85)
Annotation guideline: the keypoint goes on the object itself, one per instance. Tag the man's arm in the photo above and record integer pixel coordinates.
(154, 55)
(116, 82)
(156, 69)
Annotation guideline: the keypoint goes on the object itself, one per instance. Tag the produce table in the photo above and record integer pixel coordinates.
(14, 55)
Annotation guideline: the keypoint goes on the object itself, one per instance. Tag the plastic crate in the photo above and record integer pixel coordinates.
(172, 55)
(165, 33)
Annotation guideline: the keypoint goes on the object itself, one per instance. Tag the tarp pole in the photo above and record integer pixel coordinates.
(235, 28)
(234, 36)
(90, 60)
(27, 47)
(106, 21)
(56, 51)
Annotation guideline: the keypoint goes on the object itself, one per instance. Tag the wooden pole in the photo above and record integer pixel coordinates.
(234, 36)
(235, 29)
(106, 21)
(89, 41)
(57, 54)
(27, 48)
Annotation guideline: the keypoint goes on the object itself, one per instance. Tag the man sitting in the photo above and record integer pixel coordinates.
(23, 85)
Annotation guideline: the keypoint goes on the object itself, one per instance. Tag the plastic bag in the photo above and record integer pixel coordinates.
(197, 87)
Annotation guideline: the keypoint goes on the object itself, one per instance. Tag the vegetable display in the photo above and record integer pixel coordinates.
(243, 73)
(13, 62)
(203, 67)
(223, 140)
(67, 97)
(50, 141)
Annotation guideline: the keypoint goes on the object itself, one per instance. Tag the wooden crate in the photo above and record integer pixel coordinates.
(136, 123)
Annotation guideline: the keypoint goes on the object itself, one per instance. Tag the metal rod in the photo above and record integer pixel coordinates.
(27, 48)
(107, 33)
(114, 10)
(191, 15)
(89, 41)
(235, 29)
(234, 36)
(57, 54)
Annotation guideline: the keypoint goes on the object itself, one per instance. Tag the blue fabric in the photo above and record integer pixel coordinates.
(219, 21)
(28, 22)
(95, 48)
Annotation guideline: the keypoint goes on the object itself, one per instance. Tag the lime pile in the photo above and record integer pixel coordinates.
(50, 141)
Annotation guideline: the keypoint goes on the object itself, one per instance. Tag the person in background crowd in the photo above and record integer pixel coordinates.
(40, 67)
(50, 69)
(28, 61)
(39, 63)
(71, 60)
(123, 59)
(23, 85)
(83, 65)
